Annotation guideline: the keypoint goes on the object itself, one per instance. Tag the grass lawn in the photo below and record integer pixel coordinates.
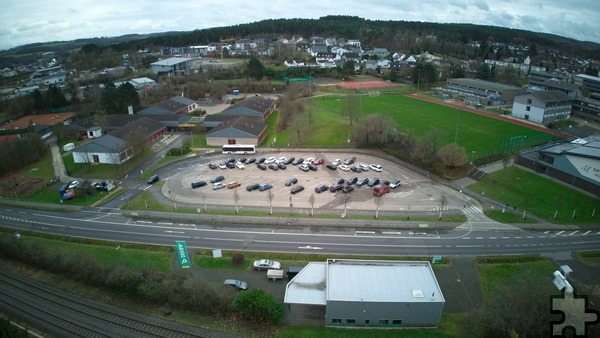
(110, 255)
(497, 272)
(539, 196)
(508, 217)
(479, 134)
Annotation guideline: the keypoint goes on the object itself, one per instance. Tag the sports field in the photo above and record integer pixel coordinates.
(479, 135)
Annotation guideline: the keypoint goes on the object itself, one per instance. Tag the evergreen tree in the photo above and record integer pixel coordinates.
(55, 97)
(255, 69)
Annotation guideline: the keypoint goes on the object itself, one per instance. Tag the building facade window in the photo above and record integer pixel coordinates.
(397, 322)
(528, 108)
(336, 321)
(528, 101)
(384, 322)
(351, 322)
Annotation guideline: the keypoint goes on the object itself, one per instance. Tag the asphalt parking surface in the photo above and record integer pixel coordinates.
(416, 193)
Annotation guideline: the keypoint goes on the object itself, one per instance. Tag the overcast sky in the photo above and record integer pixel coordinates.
(28, 21)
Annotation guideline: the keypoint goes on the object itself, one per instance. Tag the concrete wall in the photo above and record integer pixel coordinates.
(417, 314)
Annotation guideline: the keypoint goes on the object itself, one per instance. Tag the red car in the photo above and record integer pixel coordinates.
(318, 161)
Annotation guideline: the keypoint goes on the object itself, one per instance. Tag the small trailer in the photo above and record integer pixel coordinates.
(274, 274)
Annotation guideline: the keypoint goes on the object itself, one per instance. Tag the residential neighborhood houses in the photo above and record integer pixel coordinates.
(245, 120)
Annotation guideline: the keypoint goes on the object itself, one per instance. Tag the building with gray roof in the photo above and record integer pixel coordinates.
(487, 92)
(175, 66)
(251, 106)
(575, 162)
(544, 106)
(369, 293)
(174, 105)
(238, 130)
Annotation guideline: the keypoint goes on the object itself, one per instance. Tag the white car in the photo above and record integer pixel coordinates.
(281, 159)
(270, 160)
(222, 166)
(74, 185)
(394, 184)
(266, 264)
(218, 186)
(304, 167)
(375, 167)
(240, 165)
(337, 162)
(309, 160)
(344, 167)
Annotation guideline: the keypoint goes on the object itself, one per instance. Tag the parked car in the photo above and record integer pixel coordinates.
(331, 166)
(218, 186)
(289, 160)
(318, 161)
(261, 166)
(281, 165)
(230, 160)
(240, 165)
(270, 160)
(375, 167)
(337, 181)
(243, 160)
(349, 161)
(230, 165)
(212, 166)
(356, 169)
(198, 184)
(238, 284)
(281, 159)
(273, 166)
(347, 189)
(233, 185)
(337, 161)
(291, 181)
(296, 189)
(101, 186)
(297, 161)
(265, 186)
(266, 264)
(362, 181)
(222, 166)
(252, 186)
(308, 160)
(261, 160)
(394, 184)
(373, 182)
(304, 167)
(217, 179)
(151, 180)
(380, 190)
(385, 182)
(335, 188)
(352, 180)
(343, 167)
(320, 188)
(312, 167)
(250, 160)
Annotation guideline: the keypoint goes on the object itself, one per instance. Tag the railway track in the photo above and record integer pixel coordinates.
(60, 313)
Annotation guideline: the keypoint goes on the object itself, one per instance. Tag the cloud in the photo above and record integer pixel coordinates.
(28, 21)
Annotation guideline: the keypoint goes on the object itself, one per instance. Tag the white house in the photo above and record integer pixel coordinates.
(542, 106)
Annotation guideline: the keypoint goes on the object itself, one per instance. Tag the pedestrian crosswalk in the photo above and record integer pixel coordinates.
(565, 233)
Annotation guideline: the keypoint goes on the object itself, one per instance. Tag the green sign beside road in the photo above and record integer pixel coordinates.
(182, 254)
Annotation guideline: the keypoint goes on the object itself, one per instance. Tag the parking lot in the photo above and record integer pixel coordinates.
(416, 192)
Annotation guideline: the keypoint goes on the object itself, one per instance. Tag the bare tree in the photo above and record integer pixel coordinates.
(311, 200)
(378, 203)
(236, 200)
(270, 197)
(443, 201)
(351, 107)
(345, 200)
(203, 197)
(452, 155)
(309, 116)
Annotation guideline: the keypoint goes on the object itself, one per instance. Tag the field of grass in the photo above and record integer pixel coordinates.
(539, 196)
(497, 272)
(478, 134)
(109, 255)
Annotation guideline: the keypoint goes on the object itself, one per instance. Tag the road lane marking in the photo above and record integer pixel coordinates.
(560, 232)
(573, 233)
(587, 232)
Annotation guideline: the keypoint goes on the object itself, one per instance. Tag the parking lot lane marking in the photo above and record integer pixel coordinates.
(547, 231)
(573, 233)
(560, 232)
(587, 232)
(365, 232)
(492, 237)
(164, 223)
